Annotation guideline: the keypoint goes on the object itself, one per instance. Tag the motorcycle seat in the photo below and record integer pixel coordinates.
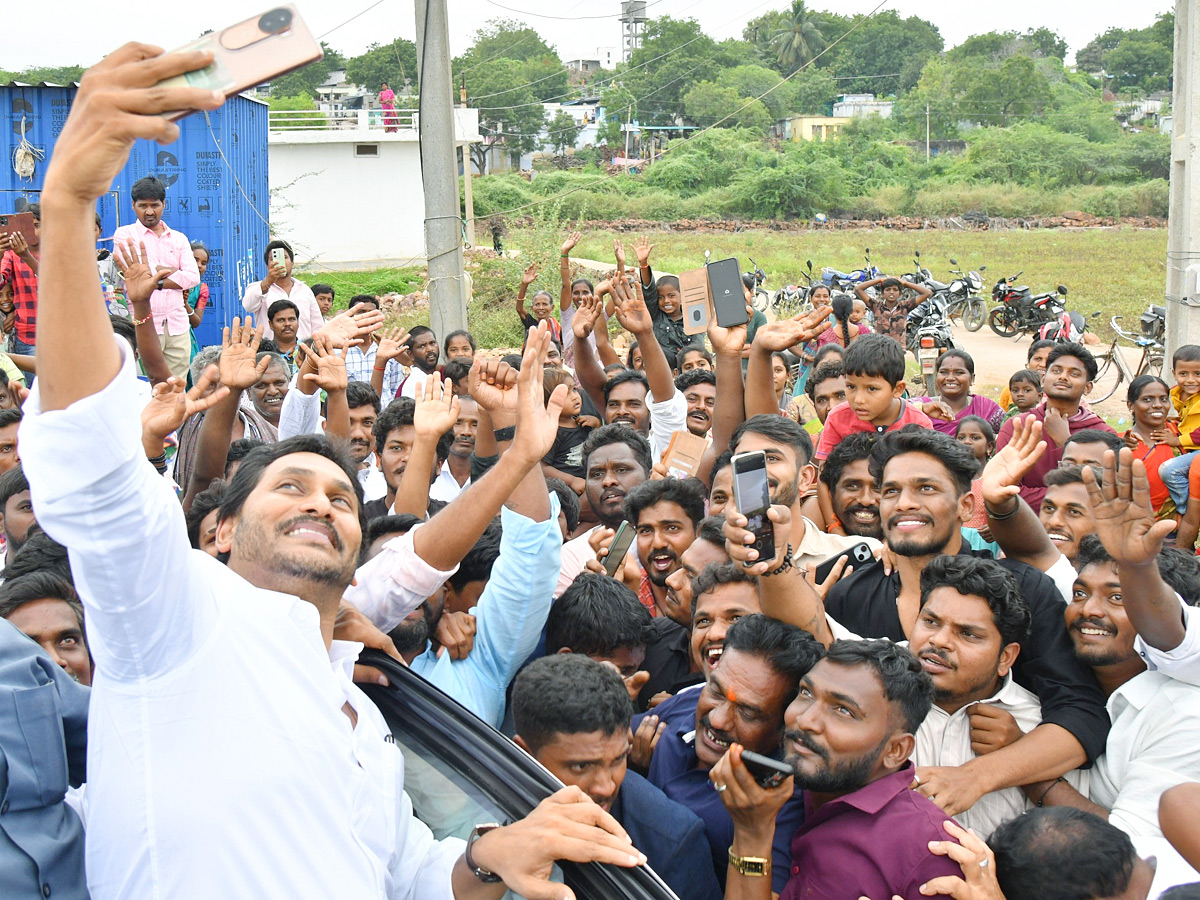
(936, 285)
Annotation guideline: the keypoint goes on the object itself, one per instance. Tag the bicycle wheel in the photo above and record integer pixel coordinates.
(1152, 365)
(975, 314)
(1003, 322)
(1108, 377)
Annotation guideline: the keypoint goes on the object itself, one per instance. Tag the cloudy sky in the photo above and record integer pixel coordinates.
(62, 32)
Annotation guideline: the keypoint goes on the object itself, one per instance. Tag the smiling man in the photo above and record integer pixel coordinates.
(699, 389)
(664, 513)
(455, 473)
(272, 387)
(1066, 511)
(846, 481)
(722, 594)
(742, 701)
(708, 548)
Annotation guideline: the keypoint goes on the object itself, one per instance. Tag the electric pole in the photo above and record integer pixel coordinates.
(926, 132)
(1183, 237)
(468, 199)
(439, 171)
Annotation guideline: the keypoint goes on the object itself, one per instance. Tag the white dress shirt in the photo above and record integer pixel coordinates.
(1182, 662)
(220, 761)
(446, 487)
(944, 739)
(1154, 744)
(256, 303)
(666, 417)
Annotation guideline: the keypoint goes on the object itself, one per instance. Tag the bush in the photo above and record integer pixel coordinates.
(1150, 198)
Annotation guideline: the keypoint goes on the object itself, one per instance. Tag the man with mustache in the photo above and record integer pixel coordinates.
(455, 473)
(364, 413)
(742, 701)
(847, 484)
(699, 389)
(664, 512)
(850, 733)
(423, 344)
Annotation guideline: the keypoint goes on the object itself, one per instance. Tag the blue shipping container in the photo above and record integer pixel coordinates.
(216, 177)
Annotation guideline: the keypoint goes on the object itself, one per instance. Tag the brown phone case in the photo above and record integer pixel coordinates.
(252, 51)
(684, 453)
(22, 222)
(697, 300)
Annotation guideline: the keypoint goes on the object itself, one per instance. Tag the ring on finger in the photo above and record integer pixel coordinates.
(720, 788)
(983, 863)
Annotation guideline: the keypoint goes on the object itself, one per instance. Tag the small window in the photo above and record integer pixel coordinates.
(371, 150)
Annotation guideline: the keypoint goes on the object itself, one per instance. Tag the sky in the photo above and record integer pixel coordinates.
(83, 30)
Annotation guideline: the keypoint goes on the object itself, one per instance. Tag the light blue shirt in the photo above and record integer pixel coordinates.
(510, 617)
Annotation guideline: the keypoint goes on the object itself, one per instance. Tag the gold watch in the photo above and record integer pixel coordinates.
(752, 866)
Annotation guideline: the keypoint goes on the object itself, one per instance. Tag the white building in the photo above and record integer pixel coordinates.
(849, 106)
(346, 192)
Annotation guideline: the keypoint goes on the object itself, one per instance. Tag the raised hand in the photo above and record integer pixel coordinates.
(619, 253)
(393, 344)
(587, 314)
(170, 406)
(730, 340)
(529, 275)
(1001, 479)
(642, 247)
(437, 411)
(630, 308)
(1122, 511)
(330, 375)
(140, 280)
(239, 364)
(19, 245)
(537, 417)
(347, 329)
(777, 336)
(649, 731)
(276, 272)
(455, 634)
(738, 539)
(572, 239)
(493, 385)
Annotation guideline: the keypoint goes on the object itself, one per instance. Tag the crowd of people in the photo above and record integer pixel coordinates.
(970, 653)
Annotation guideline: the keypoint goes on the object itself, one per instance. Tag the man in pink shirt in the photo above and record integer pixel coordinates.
(280, 285)
(170, 255)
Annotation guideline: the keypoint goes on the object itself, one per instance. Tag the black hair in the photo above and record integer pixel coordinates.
(1064, 475)
(781, 430)
(1062, 853)
(725, 459)
(715, 574)
(278, 245)
(12, 483)
(568, 694)
(712, 530)
(1140, 383)
(239, 450)
(622, 378)
(35, 210)
(905, 684)
(958, 460)
(875, 356)
(456, 369)
(853, 447)
(828, 350)
(512, 360)
(1079, 352)
(459, 333)
(956, 353)
(1185, 353)
(445, 442)
(693, 377)
(613, 367)
(279, 306)
(323, 289)
(843, 308)
(591, 287)
(362, 298)
(3, 378)
(359, 393)
(1037, 345)
(393, 525)
(477, 564)
(691, 348)
(395, 415)
(1026, 375)
(16, 592)
(596, 615)
(985, 578)
(788, 650)
(667, 281)
(9, 417)
(629, 356)
(890, 282)
(148, 188)
(687, 493)
(1114, 442)
(619, 434)
(250, 472)
(568, 501)
(1182, 892)
(202, 504)
(39, 553)
(821, 374)
(417, 330)
(989, 433)
(194, 245)
(267, 347)
(1180, 570)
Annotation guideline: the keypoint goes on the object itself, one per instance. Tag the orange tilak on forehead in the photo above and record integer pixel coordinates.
(731, 695)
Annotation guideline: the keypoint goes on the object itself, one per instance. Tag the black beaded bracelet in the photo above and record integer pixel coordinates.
(1000, 517)
(505, 434)
(783, 566)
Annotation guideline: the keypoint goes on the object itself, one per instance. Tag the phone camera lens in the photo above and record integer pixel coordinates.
(275, 21)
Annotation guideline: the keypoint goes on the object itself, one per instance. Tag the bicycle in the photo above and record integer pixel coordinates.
(1114, 366)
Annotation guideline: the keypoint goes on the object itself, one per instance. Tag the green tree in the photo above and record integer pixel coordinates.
(799, 40)
(754, 81)
(509, 113)
(1015, 90)
(1138, 63)
(392, 63)
(509, 39)
(813, 92)
(1090, 57)
(305, 80)
(562, 132)
(301, 103)
(708, 104)
(51, 74)
(884, 55)
(760, 30)
(1045, 42)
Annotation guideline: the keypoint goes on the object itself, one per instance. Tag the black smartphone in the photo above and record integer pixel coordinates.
(859, 555)
(767, 772)
(620, 545)
(752, 496)
(728, 298)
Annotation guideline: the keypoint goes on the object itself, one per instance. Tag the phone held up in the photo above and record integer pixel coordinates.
(248, 53)
(767, 772)
(620, 545)
(752, 495)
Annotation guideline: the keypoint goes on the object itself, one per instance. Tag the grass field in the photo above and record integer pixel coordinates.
(1115, 271)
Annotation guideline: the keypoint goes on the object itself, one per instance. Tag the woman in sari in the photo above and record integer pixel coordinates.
(387, 102)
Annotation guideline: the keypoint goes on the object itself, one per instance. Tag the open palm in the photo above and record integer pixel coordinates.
(239, 365)
(170, 406)
(1122, 511)
(1002, 475)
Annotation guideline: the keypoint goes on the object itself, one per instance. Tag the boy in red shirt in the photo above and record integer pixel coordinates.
(874, 370)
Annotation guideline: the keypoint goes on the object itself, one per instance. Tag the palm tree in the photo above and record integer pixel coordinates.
(800, 39)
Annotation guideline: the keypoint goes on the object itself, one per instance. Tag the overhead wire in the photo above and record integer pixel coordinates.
(565, 18)
(349, 20)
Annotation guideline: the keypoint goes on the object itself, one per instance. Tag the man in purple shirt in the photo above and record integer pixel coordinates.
(850, 733)
(170, 255)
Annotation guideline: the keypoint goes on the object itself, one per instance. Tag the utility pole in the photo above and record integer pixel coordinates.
(1183, 237)
(628, 123)
(468, 199)
(926, 132)
(439, 171)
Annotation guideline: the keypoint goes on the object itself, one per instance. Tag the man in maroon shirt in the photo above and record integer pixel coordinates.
(849, 735)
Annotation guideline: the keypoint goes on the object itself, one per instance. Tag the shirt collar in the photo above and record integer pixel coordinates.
(166, 228)
(1006, 692)
(1139, 690)
(343, 655)
(875, 796)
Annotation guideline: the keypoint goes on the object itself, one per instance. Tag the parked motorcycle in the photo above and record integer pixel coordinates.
(1020, 311)
(965, 301)
(1154, 323)
(838, 279)
(928, 337)
(762, 299)
(792, 299)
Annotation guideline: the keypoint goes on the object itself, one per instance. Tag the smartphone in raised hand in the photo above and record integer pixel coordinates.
(752, 496)
(620, 545)
(250, 52)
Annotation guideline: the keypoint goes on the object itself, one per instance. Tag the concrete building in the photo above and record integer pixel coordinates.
(347, 194)
(809, 128)
(852, 105)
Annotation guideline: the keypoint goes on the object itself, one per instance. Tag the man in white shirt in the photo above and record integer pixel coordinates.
(229, 752)
(280, 285)
(425, 351)
(455, 474)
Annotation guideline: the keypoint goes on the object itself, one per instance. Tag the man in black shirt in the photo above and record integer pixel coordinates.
(924, 480)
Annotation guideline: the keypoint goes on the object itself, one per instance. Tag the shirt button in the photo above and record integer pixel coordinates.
(45, 890)
(795, 870)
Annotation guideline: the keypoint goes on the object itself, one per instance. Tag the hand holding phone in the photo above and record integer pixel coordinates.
(767, 772)
(752, 497)
(617, 549)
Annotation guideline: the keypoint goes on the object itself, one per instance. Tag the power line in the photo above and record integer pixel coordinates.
(566, 18)
(349, 20)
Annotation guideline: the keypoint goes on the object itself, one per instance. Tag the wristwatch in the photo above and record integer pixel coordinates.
(482, 874)
(751, 866)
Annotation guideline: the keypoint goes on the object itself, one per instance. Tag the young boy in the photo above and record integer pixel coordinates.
(1035, 361)
(1185, 396)
(665, 302)
(324, 294)
(565, 459)
(874, 372)
(1025, 390)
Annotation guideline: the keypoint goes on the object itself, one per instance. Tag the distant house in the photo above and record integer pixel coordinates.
(1147, 110)
(809, 128)
(855, 105)
(604, 58)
